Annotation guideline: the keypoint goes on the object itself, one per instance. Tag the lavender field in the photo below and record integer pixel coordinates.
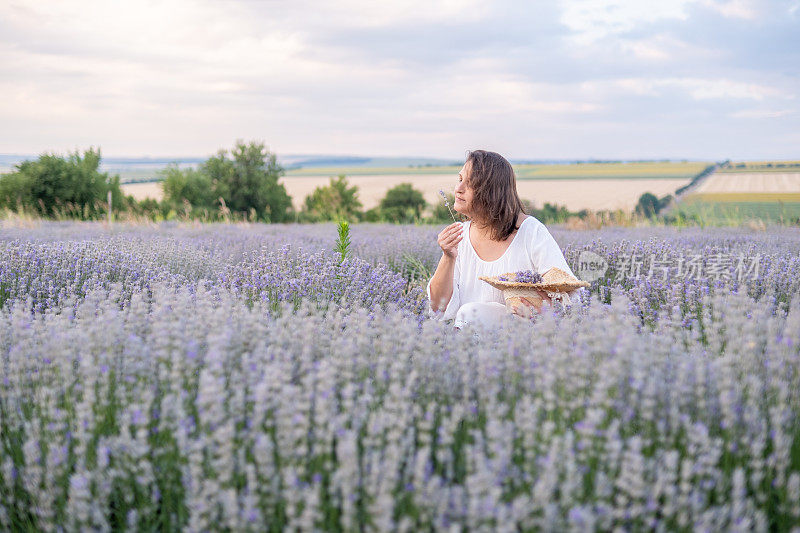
(241, 378)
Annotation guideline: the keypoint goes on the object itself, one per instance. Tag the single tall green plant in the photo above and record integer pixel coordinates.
(343, 242)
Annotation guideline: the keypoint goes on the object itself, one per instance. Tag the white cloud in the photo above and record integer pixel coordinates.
(759, 114)
(743, 9)
(697, 88)
(647, 49)
(592, 20)
(387, 13)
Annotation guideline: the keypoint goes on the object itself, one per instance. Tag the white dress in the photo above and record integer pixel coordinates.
(532, 248)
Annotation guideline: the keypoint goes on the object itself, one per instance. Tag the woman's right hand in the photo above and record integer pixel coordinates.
(449, 238)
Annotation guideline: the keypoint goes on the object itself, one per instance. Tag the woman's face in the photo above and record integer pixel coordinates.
(463, 191)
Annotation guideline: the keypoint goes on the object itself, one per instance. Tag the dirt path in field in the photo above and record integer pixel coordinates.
(592, 194)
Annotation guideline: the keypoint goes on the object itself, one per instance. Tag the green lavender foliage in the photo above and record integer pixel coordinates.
(343, 241)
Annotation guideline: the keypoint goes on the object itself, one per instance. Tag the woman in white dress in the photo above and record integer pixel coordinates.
(498, 238)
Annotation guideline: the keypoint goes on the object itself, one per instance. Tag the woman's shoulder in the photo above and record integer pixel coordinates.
(533, 231)
(530, 224)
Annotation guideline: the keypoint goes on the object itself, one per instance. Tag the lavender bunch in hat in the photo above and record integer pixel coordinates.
(528, 276)
(523, 276)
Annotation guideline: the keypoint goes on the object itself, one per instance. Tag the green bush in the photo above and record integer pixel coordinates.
(54, 186)
(189, 185)
(333, 202)
(247, 183)
(16, 191)
(148, 208)
(551, 213)
(402, 203)
(649, 205)
(373, 215)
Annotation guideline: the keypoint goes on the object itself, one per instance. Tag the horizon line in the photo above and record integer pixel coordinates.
(358, 156)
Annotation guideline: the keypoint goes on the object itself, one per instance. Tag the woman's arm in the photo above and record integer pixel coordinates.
(441, 285)
(440, 288)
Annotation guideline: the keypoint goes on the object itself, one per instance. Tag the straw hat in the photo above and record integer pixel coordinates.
(554, 280)
(555, 283)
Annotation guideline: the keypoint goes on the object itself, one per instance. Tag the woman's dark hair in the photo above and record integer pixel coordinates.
(495, 199)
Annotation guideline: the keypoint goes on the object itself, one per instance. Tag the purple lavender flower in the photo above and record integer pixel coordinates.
(527, 276)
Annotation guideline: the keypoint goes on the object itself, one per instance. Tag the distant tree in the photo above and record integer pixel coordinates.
(16, 191)
(249, 181)
(189, 185)
(146, 205)
(373, 215)
(149, 208)
(402, 203)
(334, 202)
(53, 185)
(649, 205)
(551, 213)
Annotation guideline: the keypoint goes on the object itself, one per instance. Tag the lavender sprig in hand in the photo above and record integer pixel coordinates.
(447, 204)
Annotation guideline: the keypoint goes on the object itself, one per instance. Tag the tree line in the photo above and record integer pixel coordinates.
(240, 184)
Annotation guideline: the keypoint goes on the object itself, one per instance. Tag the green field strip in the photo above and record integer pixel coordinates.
(612, 171)
(606, 177)
(736, 212)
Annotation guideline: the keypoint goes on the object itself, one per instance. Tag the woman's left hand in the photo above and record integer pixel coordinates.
(531, 307)
(545, 298)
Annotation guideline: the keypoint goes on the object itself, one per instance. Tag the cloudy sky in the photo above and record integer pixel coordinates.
(696, 79)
